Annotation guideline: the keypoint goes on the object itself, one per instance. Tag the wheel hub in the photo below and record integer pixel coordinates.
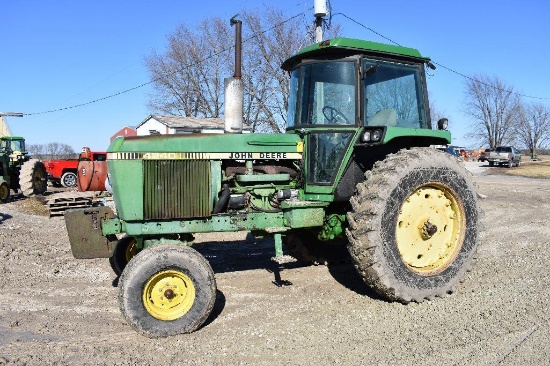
(168, 295)
(428, 230)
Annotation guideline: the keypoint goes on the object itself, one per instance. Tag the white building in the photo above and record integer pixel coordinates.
(170, 125)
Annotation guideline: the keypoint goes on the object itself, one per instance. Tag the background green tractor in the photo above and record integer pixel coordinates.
(353, 173)
(17, 171)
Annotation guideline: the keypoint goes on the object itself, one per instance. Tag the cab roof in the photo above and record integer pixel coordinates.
(349, 46)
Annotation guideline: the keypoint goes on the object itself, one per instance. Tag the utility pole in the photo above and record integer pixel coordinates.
(320, 12)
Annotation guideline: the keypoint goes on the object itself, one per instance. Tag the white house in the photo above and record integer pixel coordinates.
(169, 125)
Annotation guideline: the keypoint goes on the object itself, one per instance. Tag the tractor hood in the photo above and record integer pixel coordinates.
(208, 146)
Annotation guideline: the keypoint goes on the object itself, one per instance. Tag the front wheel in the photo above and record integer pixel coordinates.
(4, 192)
(167, 289)
(414, 225)
(125, 249)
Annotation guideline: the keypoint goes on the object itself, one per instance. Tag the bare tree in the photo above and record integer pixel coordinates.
(494, 108)
(188, 77)
(533, 127)
(52, 150)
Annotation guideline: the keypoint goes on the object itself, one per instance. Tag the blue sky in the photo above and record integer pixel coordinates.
(60, 53)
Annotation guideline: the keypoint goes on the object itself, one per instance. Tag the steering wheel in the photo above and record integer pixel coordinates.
(334, 115)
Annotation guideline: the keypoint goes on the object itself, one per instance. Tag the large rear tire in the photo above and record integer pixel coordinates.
(414, 225)
(167, 289)
(33, 179)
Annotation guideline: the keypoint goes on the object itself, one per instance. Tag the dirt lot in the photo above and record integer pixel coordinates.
(58, 310)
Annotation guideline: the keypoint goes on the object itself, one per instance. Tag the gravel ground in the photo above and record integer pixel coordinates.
(55, 309)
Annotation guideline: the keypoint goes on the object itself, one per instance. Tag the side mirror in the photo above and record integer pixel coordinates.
(442, 124)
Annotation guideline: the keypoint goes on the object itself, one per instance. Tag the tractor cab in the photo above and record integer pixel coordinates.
(352, 98)
(14, 147)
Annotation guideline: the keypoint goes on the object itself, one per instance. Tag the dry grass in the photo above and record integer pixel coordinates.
(528, 168)
(34, 205)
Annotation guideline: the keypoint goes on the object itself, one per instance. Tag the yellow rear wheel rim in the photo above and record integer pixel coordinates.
(430, 229)
(168, 295)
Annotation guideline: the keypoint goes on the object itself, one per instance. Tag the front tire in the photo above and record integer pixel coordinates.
(33, 179)
(414, 225)
(125, 250)
(4, 192)
(167, 289)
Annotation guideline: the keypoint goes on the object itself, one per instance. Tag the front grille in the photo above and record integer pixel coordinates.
(176, 189)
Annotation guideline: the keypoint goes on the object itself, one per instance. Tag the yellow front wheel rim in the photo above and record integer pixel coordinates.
(131, 250)
(430, 229)
(4, 192)
(168, 295)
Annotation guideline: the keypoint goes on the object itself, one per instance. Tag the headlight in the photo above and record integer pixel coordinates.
(371, 136)
(366, 136)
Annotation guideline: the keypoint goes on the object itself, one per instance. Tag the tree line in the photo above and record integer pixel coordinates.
(501, 116)
(52, 150)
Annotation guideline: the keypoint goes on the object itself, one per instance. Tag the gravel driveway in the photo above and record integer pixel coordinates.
(58, 310)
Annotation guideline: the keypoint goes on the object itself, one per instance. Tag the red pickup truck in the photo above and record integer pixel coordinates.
(64, 172)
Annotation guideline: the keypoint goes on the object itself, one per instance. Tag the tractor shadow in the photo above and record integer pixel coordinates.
(346, 275)
(4, 217)
(256, 254)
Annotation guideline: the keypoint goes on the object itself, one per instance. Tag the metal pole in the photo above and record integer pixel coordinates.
(238, 46)
(318, 29)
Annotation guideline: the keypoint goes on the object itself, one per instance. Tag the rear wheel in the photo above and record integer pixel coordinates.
(33, 179)
(414, 225)
(167, 289)
(4, 192)
(68, 180)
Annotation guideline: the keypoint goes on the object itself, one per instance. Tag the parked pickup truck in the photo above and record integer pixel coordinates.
(504, 155)
(484, 154)
(64, 172)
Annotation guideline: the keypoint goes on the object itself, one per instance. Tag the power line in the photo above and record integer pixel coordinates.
(443, 66)
(227, 49)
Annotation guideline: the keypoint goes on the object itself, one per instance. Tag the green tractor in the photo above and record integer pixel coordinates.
(354, 173)
(18, 171)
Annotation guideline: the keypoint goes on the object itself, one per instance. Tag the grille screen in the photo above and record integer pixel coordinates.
(176, 189)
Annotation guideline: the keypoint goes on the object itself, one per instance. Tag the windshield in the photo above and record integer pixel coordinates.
(13, 145)
(393, 95)
(322, 93)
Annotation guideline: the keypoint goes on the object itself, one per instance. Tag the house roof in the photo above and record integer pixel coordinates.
(191, 123)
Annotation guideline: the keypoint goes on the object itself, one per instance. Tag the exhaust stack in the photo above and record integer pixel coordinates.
(234, 89)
